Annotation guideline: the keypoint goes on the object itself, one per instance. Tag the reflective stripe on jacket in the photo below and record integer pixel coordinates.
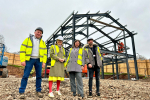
(86, 49)
(56, 50)
(26, 50)
(79, 61)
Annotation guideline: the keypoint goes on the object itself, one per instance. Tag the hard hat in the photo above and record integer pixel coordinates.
(59, 38)
(89, 38)
(39, 28)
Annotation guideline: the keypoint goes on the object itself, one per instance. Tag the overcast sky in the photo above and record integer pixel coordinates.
(18, 18)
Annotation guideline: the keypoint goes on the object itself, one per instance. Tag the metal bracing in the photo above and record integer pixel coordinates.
(80, 24)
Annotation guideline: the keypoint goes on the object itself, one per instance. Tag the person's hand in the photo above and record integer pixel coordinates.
(82, 67)
(23, 63)
(90, 66)
(61, 60)
(43, 65)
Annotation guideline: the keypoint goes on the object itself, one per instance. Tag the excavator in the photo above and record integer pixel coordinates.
(3, 62)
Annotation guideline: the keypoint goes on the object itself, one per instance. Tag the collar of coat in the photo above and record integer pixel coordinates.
(87, 45)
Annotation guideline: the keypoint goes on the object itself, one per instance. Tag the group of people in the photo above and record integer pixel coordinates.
(33, 51)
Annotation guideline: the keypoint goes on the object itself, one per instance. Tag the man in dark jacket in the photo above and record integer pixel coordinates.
(93, 60)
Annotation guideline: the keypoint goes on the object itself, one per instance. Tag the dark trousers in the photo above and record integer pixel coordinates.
(38, 68)
(97, 75)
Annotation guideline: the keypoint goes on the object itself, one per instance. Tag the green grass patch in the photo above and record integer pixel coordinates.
(107, 73)
(17, 66)
(145, 77)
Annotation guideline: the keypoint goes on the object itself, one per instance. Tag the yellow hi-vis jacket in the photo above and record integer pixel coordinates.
(86, 49)
(56, 50)
(26, 50)
(79, 61)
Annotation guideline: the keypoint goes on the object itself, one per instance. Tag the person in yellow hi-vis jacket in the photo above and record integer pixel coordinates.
(75, 65)
(33, 51)
(93, 59)
(57, 54)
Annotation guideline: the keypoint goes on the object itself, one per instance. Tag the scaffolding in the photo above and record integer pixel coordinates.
(97, 25)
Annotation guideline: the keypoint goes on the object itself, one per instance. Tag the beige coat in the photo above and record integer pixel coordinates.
(90, 59)
(58, 69)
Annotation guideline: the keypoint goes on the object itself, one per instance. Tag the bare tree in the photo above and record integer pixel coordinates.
(141, 57)
(2, 41)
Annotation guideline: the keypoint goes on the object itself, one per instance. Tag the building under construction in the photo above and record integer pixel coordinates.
(107, 32)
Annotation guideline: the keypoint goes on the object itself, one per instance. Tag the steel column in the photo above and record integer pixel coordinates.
(73, 29)
(87, 27)
(47, 58)
(113, 69)
(53, 39)
(62, 29)
(102, 70)
(116, 62)
(126, 56)
(135, 61)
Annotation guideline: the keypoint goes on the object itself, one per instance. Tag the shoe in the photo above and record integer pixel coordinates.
(83, 98)
(22, 96)
(80, 95)
(74, 94)
(98, 94)
(39, 94)
(58, 92)
(90, 95)
(51, 95)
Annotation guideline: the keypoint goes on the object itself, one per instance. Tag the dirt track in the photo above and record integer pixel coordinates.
(110, 89)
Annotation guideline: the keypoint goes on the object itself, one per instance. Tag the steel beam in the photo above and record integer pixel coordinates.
(104, 34)
(121, 26)
(106, 24)
(109, 42)
(91, 15)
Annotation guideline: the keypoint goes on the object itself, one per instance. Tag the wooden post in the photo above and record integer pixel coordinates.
(147, 69)
(106, 69)
(13, 59)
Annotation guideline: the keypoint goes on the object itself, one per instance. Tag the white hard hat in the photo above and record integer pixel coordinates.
(59, 38)
(89, 38)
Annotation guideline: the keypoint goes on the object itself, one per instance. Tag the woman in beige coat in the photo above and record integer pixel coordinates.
(57, 54)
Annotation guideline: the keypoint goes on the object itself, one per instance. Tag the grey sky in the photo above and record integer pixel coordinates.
(18, 18)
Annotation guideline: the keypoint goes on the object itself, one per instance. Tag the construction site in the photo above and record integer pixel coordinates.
(122, 76)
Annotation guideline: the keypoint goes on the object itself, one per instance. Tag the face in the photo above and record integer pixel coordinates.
(77, 43)
(90, 42)
(59, 42)
(38, 34)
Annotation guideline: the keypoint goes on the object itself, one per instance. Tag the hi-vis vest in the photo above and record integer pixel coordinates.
(79, 61)
(86, 49)
(56, 50)
(26, 50)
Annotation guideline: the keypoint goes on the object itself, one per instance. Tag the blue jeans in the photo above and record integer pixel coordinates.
(97, 75)
(38, 68)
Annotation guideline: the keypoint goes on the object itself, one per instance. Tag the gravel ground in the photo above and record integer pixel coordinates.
(110, 90)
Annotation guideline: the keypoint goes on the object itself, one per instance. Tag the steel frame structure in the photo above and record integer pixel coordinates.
(70, 30)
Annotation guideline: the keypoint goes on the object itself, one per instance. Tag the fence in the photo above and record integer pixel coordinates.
(143, 65)
(13, 59)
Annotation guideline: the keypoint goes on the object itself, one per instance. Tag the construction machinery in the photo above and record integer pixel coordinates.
(3, 62)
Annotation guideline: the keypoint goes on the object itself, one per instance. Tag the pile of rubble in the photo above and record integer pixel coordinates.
(110, 89)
